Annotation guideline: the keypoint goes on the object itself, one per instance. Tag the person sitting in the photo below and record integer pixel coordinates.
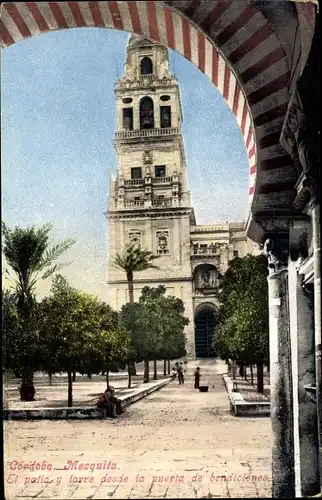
(108, 401)
(116, 401)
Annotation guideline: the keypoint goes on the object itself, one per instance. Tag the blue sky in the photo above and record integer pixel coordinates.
(58, 121)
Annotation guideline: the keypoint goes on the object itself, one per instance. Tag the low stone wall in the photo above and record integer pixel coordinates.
(244, 408)
(63, 413)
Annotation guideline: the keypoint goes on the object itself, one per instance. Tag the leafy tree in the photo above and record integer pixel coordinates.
(243, 331)
(157, 326)
(172, 308)
(79, 332)
(134, 259)
(135, 318)
(31, 258)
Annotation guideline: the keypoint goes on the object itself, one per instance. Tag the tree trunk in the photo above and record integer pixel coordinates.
(241, 369)
(245, 372)
(260, 378)
(70, 389)
(132, 368)
(27, 389)
(155, 375)
(146, 377)
(168, 366)
(129, 374)
(129, 276)
(107, 378)
(50, 376)
(251, 375)
(74, 376)
(89, 375)
(164, 367)
(233, 367)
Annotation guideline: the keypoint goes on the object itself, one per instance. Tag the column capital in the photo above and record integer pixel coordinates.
(308, 192)
(277, 250)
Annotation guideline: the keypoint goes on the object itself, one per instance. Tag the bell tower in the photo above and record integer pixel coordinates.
(149, 199)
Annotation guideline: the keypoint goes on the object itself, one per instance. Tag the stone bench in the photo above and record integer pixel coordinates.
(61, 413)
(76, 412)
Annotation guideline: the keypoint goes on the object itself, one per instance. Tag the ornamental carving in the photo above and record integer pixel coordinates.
(162, 242)
(300, 138)
(277, 251)
(135, 237)
(205, 277)
(147, 157)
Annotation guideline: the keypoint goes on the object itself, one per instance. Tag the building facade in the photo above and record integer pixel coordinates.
(150, 203)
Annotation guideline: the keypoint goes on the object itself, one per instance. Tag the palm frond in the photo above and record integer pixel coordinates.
(27, 252)
(134, 258)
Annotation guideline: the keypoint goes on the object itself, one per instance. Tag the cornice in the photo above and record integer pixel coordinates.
(150, 280)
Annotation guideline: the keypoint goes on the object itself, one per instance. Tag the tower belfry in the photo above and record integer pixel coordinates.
(149, 199)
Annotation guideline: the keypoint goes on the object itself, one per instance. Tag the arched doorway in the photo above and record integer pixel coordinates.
(205, 322)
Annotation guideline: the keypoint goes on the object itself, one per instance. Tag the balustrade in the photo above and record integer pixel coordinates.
(134, 182)
(152, 132)
(162, 180)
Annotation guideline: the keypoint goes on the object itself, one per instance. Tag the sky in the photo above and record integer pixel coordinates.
(58, 123)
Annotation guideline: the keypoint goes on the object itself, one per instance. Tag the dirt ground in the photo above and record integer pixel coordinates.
(176, 443)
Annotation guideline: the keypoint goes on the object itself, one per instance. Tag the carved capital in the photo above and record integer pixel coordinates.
(308, 193)
(277, 251)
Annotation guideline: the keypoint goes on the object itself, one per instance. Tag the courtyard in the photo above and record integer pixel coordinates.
(175, 443)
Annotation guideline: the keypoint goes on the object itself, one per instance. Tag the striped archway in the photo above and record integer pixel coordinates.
(232, 42)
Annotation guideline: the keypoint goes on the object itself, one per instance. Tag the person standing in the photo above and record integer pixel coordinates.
(181, 372)
(197, 378)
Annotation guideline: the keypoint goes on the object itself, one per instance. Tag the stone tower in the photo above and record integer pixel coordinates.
(149, 199)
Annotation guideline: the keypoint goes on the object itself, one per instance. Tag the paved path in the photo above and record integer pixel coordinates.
(176, 443)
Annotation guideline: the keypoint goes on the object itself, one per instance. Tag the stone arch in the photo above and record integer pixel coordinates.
(146, 66)
(205, 277)
(146, 112)
(232, 42)
(203, 305)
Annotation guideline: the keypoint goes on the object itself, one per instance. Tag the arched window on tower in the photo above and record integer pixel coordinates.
(146, 66)
(128, 118)
(146, 113)
(165, 116)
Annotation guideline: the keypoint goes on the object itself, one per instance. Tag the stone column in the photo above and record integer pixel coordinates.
(283, 477)
(316, 230)
(306, 457)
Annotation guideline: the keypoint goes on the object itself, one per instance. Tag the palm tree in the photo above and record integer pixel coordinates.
(134, 259)
(31, 259)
